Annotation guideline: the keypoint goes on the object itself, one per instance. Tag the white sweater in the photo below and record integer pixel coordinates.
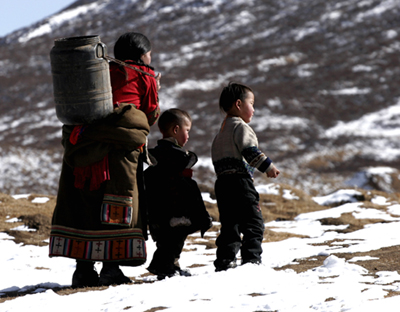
(235, 149)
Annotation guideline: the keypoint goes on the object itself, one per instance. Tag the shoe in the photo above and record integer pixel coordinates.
(183, 272)
(224, 265)
(253, 261)
(112, 275)
(162, 275)
(84, 278)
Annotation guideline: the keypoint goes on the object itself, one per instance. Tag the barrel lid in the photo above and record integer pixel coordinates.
(76, 41)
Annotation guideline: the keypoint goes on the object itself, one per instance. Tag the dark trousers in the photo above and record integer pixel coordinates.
(169, 247)
(240, 213)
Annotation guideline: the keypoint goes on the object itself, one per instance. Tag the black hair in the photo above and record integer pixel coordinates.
(172, 117)
(231, 93)
(131, 46)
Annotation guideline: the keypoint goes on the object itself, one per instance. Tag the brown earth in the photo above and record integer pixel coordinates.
(274, 207)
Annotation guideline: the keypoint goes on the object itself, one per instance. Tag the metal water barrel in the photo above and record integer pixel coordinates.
(81, 80)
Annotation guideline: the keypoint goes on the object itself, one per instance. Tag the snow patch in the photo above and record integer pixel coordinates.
(337, 197)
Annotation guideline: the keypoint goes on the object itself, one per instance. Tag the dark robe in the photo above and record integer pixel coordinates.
(97, 216)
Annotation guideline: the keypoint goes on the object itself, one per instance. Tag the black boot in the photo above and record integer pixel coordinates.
(85, 275)
(224, 265)
(111, 274)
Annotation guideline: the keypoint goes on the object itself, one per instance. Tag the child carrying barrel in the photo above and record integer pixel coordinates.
(97, 217)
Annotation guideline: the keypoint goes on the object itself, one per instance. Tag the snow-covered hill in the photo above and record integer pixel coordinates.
(325, 74)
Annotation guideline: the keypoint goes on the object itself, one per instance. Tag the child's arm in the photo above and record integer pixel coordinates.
(246, 140)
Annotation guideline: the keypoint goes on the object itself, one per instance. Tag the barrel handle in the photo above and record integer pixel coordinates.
(111, 59)
(101, 50)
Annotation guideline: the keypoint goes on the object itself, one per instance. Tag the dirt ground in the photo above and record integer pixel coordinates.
(274, 207)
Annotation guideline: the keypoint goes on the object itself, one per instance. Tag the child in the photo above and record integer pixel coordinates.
(235, 156)
(129, 85)
(175, 205)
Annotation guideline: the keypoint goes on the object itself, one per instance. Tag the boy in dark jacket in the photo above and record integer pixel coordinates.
(175, 206)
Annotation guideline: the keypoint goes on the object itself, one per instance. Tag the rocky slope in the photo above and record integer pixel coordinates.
(325, 75)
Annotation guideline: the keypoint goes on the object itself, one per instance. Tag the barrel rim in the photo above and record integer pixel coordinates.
(67, 41)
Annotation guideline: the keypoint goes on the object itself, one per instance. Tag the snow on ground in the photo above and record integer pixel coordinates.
(337, 285)
(337, 197)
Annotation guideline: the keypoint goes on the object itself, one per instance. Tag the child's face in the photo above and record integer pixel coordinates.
(246, 107)
(181, 133)
(146, 58)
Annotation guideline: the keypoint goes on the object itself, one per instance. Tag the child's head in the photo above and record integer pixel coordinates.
(237, 100)
(175, 123)
(133, 46)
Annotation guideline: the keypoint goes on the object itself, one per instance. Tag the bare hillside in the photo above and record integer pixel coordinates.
(325, 75)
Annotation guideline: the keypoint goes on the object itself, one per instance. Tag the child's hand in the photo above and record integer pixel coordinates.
(158, 78)
(273, 173)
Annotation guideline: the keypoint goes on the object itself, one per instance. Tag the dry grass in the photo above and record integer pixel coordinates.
(327, 161)
(33, 215)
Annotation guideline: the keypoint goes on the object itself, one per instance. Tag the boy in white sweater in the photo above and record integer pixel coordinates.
(235, 156)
